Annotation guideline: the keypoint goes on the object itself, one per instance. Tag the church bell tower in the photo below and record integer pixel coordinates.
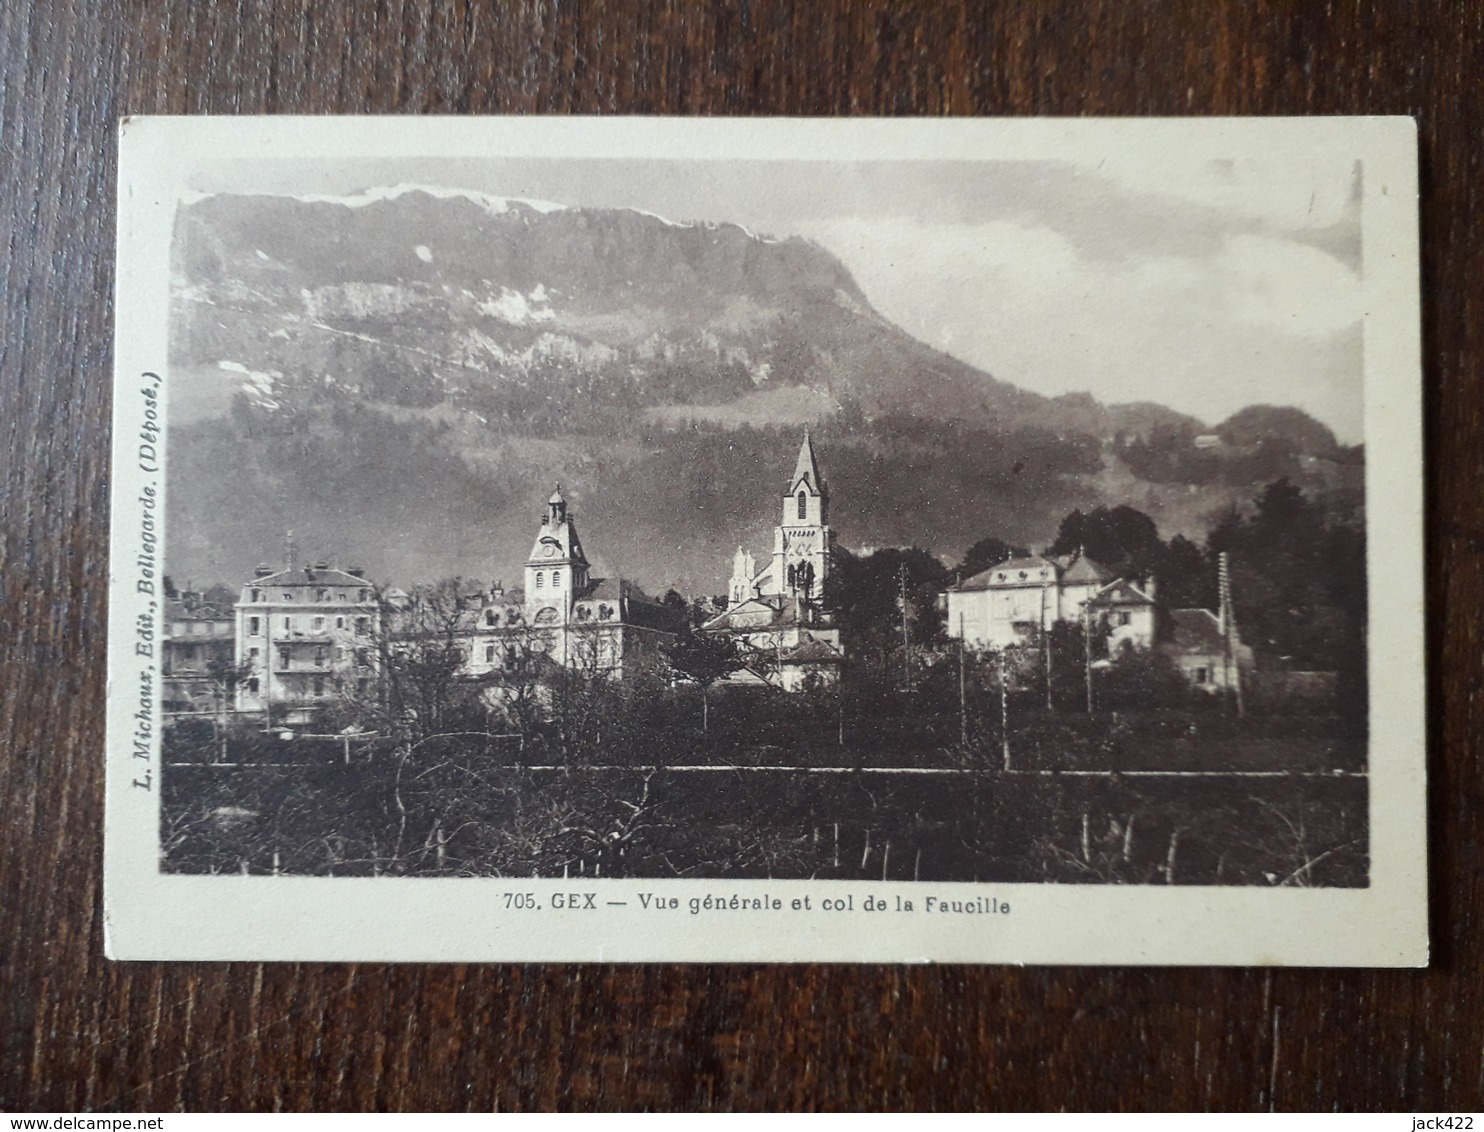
(801, 543)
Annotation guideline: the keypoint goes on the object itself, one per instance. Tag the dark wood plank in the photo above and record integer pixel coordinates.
(77, 1032)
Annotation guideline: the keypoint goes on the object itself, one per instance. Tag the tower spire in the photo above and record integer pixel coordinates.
(806, 468)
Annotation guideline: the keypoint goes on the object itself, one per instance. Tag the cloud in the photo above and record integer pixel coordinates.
(1261, 319)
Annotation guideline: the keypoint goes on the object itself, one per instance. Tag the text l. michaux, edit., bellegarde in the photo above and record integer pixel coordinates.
(147, 563)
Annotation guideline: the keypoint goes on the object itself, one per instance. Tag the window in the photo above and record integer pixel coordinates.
(257, 595)
(319, 624)
(363, 657)
(319, 656)
(1202, 675)
(363, 626)
(803, 505)
(489, 654)
(491, 617)
(254, 626)
(340, 596)
(252, 685)
(252, 655)
(583, 613)
(288, 597)
(286, 625)
(340, 622)
(556, 579)
(362, 595)
(321, 595)
(283, 657)
(1125, 617)
(540, 579)
(604, 612)
(319, 685)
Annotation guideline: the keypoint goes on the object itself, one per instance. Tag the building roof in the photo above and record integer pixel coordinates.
(812, 652)
(1082, 569)
(604, 589)
(1120, 593)
(1038, 571)
(806, 468)
(1195, 631)
(309, 576)
(178, 610)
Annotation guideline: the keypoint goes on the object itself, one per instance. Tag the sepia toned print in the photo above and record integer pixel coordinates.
(773, 532)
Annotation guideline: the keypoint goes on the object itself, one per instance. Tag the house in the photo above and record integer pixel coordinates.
(775, 613)
(1210, 658)
(305, 636)
(196, 656)
(1015, 602)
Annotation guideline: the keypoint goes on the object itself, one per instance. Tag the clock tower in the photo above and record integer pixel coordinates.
(557, 569)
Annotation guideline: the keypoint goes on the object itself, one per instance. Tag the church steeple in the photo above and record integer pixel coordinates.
(806, 500)
(801, 543)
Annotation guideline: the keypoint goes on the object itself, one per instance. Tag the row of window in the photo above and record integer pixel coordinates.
(556, 579)
(200, 628)
(317, 686)
(321, 595)
(604, 612)
(316, 625)
(321, 656)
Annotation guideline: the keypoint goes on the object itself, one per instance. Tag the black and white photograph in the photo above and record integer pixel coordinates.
(866, 522)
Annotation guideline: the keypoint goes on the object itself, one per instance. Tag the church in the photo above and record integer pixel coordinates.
(776, 613)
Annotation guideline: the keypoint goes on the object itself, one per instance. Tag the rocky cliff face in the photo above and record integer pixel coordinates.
(399, 376)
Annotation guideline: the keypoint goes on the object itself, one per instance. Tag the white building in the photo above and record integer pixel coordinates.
(1017, 601)
(305, 635)
(565, 615)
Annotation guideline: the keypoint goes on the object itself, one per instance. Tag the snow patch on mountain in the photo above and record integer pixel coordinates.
(259, 385)
(519, 309)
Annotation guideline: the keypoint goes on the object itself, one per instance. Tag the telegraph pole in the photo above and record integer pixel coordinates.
(1228, 627)
(1004, 710)
(963, 701)
(1046, 649)
(1087, 652)
(906, 639)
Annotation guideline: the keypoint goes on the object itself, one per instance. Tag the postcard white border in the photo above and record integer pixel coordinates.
(151, 915)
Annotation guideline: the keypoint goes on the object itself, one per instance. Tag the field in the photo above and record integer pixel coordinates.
(1140, 798)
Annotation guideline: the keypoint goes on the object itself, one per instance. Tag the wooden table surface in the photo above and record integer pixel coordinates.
(78, 1032)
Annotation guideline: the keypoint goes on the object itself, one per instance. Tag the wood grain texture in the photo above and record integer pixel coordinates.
(78, 1032)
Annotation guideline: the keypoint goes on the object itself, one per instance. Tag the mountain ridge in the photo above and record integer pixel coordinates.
(487, 350)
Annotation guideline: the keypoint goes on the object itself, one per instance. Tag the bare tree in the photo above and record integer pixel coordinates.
(703, 660)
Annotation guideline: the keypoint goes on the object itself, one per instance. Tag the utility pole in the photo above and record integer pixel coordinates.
(906, 638)
(1046, 650)
(1004, 710)
(963, 701)
(1228, 628)
(1087, 651)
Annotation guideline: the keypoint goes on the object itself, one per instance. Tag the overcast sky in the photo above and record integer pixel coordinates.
(1204, 285)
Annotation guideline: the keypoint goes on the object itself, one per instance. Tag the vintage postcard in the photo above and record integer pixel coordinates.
(873, 541)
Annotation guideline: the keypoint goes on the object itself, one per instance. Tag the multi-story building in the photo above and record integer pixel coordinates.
(305, 636)
(564, 616)
(1019, 600)
(197, 656)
